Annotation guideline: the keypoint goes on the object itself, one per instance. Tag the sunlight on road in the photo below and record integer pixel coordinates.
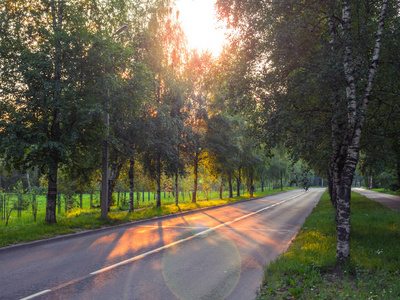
(222, 273)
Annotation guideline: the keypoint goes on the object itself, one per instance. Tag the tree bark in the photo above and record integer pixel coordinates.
(230, 185)
(251, 188)
(355, 125)
(370, 181)
(104, 178)
(112, 182)
(221, 187)
(158, 202)
(195, 173)
(58, 203)
(55, 130)
(52, 193)
(238, 182)
(176, 188)
(131, 184)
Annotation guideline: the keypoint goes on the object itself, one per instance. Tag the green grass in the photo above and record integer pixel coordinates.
(24, 229)
(308, 269)
(386, 191)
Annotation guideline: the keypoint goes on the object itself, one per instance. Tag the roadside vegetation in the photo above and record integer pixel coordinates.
(309, 270)
(109, 93)
(24, 229)
(386, 191)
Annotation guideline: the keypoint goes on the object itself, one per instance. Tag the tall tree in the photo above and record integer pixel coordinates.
(48, 114)
(307, 54)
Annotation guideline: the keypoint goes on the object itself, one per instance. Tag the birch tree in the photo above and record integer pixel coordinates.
(315, 63)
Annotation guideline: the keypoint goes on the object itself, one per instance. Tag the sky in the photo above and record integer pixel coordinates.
(200, 24)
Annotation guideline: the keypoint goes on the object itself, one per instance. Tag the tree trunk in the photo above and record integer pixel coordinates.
(52, 193)
(343, 209)
(251, 187)
(80, 200)
(158, 180)
(176, 188)
(230, 185)
(112, 182)
(104, 177)
(131, 184)
(281, 180)
(355, 123)
(238, 182)
(55, 131)
(58, 203)
(195, 173)
(221, 187)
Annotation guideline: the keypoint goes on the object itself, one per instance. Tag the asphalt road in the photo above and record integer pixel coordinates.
(216, 253)
(391, 201)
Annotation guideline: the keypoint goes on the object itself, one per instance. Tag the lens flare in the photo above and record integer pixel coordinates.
(211, 261)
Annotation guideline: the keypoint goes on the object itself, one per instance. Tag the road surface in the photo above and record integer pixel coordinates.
(216, 253)
(391, 201)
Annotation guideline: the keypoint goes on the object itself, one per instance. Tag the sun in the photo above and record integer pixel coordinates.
(201, 26)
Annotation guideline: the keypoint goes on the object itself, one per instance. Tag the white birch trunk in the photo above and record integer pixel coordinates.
(355, 122)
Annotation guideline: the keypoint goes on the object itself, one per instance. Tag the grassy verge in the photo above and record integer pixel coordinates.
(308, 269)
(25, 230)
(386, 191)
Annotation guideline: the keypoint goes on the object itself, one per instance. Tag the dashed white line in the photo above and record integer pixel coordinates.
(35, 295)
(199, 234)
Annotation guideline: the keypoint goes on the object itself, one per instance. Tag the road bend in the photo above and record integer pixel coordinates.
(217, 253)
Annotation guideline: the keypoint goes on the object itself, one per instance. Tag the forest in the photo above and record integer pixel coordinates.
(105, 99)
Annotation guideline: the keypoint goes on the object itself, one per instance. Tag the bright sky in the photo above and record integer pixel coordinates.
(200, 24)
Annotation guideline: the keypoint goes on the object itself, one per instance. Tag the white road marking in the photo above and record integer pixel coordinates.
(200, 234)
(35, 295)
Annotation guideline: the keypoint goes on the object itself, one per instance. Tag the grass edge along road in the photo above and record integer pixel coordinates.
(385, 191)
(80, 220)
(308, 270)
